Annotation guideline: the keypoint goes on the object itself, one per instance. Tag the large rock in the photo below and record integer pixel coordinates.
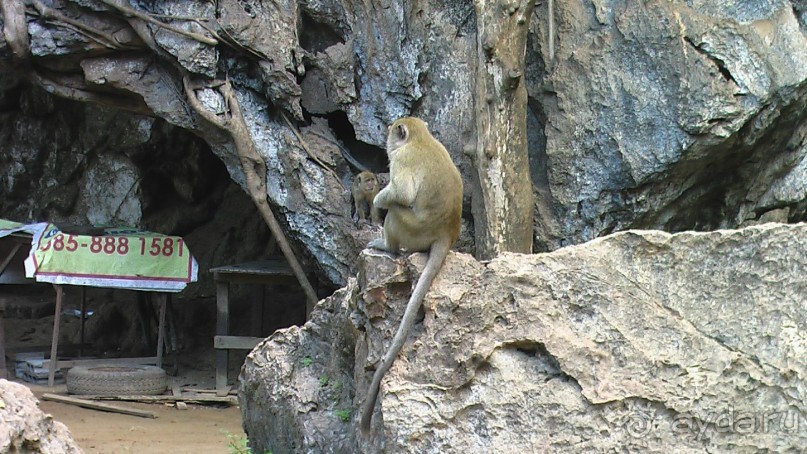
(638, 341)
(24, 428)
(681, 115)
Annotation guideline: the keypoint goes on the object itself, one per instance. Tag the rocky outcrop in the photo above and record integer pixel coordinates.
(24, 428)
(638, 341)
(673, 115)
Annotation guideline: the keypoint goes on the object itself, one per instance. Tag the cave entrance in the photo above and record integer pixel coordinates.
(74, 163)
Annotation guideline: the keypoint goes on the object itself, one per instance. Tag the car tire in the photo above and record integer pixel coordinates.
(119, 380)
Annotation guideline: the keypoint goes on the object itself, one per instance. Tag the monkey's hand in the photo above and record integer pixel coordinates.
(378, 244)
(400, 191)
(380, 200)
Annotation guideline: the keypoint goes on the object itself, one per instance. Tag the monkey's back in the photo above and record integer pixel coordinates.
(437, 208)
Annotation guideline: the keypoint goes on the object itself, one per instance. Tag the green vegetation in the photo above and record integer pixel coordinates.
(239, 444)
(307, 361)
(343, 415)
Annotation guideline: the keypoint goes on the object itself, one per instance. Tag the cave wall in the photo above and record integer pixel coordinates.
(671, 115)
(82, 164)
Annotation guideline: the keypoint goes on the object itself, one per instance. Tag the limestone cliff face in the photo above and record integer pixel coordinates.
(669, 115)
(640, 340)
(672, 115)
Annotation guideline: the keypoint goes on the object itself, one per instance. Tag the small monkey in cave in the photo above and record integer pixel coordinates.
(365, 188)
(424, 203)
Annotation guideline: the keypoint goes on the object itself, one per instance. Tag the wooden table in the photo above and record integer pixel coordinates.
(14, 248)
(263, 272)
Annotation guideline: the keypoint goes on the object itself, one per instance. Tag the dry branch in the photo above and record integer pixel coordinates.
(345, 152)
(15, 27)
(232, 121)
(118, 5)
(305, 147)
(56, 17)
(76, 89)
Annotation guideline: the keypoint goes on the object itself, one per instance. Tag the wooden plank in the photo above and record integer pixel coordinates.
(259, 267)
(98, 406)
(222, 329)
(193, 398)
(236, 342)
(233, 392)
(3, 370)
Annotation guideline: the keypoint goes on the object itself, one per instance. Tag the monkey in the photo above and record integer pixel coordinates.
(424, 203)
(365, 188)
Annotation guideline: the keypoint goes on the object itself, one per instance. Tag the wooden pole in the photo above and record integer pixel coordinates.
(83, 317)
(54, 343)
(222, 329)
(3, 371)
(161, 328)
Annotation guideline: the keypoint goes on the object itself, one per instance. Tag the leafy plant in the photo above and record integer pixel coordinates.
(307, 361)
(323, 380)
(238, 445)
(343, 415)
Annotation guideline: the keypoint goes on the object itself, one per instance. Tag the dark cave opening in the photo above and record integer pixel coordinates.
(316, 36)
(371, 156)
(52, 145)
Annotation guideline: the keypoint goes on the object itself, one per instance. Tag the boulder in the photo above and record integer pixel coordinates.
(24, 428)
(638, 341)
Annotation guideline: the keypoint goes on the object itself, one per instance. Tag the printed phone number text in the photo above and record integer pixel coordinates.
(158, 246)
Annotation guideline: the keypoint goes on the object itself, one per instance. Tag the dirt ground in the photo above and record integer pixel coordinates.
(200, 429)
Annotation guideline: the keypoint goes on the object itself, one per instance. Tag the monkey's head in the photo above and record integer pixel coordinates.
(404, 130)
(367, 181)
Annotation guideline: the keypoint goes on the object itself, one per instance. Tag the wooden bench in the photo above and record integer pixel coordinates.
(263, 272)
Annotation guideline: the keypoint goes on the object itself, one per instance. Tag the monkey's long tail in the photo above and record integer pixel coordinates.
(437, 255)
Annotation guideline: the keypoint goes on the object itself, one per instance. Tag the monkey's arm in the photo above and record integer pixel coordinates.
(400, 191)
(375, 215)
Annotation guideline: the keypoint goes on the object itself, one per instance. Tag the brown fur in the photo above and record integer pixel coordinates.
(364, 189)
(424, 203)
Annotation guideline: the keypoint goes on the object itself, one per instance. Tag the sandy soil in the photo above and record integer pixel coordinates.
(200, 429)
